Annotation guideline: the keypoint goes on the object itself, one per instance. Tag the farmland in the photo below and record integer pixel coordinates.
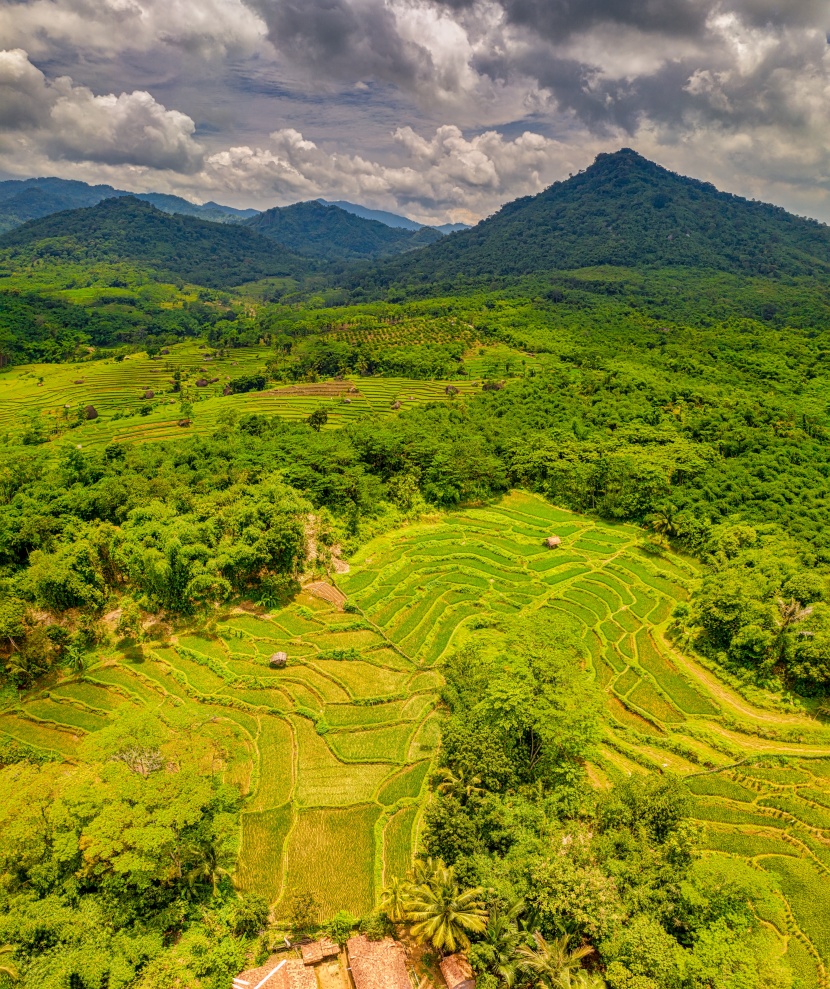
(135, 399)
(332, 752)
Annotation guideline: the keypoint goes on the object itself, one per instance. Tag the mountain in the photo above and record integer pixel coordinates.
(126, 229)
(328, 232)
(30, 199)
(625, 210)
(381, 215)
(392, 219)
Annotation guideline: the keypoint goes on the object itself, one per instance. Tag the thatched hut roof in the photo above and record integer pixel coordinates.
(396, 405)
(149, 393)
(165, 350)
(451, 390)
(226, 390)
(278, 660)
(318, 950)
(347, 401)
(90, 412)
(201, 383)
(552, 542)
(457, 972)
(184, 422)
(378, 964)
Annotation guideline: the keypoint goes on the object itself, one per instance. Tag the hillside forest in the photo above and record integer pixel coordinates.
(203, 424)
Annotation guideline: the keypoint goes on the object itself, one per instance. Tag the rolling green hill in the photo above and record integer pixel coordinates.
(326, 231)
(29, 199)
(128, 230)
(624, 210)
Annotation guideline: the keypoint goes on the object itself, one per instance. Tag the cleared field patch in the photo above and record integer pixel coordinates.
(405, 785)
(275, 776)
(398, 851)
(324, 781)
(389, 743)
(259, 869)
(330, 853)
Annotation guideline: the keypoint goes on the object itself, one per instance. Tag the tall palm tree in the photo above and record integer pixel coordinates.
(497, 948)
(553, 962)
(443, 914)
(426, 871)
(6, 968)
(394, 898)
(465, 788)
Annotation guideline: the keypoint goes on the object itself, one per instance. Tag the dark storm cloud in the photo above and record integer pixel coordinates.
(344, 40)
(559, 19)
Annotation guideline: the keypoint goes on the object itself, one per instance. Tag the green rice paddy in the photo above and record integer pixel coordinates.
(332, 754)
(52, 396)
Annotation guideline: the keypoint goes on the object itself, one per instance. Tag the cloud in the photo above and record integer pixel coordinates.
(445, 175)
(109, 27)
(64, 121)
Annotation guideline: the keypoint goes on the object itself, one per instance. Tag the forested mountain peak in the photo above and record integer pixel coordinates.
(326, 231)
(626, 210)
(128, 229)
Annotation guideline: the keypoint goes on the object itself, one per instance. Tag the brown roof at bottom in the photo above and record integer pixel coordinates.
(377, 964)
(318, 950)
(457, 972)
(292, 974)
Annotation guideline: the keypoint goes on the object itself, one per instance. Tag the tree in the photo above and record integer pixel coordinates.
(443, 914)
(464, 788)
(394, 899)
(6, 968)
(496, 951)
(553, 962)
(318, 419)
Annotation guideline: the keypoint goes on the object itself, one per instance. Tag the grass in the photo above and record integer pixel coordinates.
(405, 785)
(275, 745)
(385, 744)
(260, 866)
(397, 844)
(331, 853)
(802, 885)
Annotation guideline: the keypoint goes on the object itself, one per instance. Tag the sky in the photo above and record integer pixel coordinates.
(440, 109)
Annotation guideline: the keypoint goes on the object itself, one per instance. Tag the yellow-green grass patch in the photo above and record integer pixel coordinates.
(275, 777)
(649, 700)
(260, 867)
(802, 884)
(686, 697)
(40, 736)
(362, 679)
(398, 851)
(324, 781)
(349, 715)
(405, 785)
(65, 713)
(100, 698)
(330, 853)
(387, 743)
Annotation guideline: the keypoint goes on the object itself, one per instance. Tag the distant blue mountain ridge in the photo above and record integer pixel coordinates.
(30, 199)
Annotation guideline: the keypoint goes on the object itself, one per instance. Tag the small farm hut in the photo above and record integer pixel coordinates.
(396, 405)
(226, 390)
(78, 381)
(318, 951)
(201, 383)
(552, 542)
(184, 422)
(457, 972)
(213, 381)
(149, 393)
(451, 390)
(278, 660)
(377, 964)
(347, 401)
(165, 350)
(90, 412)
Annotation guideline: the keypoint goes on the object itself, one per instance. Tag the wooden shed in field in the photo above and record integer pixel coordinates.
(457, 972)
(278, 660)
(552, 542)
(377, 964)
(90, 412)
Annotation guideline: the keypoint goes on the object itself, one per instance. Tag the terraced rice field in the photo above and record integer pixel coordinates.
(333, 753)
(52, 394)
